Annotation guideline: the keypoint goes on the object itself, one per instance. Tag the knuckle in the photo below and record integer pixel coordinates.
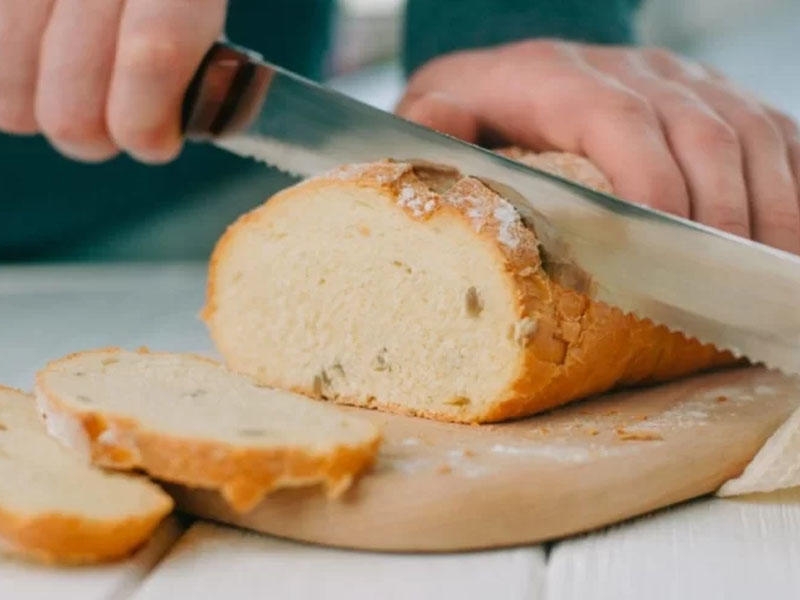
(660, 56)
(729, 217)
(542, 48)
(668, 192)
(714, 134)
(150, 53)
(755, 121)
(784, 119)
(630, 106)
(754, 117)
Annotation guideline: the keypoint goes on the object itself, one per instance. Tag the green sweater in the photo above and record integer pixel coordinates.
(49, 205)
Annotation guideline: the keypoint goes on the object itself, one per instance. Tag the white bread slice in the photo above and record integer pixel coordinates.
(186, 419)
(417, 290)
(57, 508)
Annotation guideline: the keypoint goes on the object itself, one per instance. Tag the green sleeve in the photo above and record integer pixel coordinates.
(436, 27)
(49, 205)
(294, 34)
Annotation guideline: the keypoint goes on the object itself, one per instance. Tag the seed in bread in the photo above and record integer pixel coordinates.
(57, 508)
(186, 419)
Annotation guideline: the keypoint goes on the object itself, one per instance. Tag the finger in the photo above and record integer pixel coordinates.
(671, 66)
(441, 112)
(705, 147)
(539, 95)
(75, 67)
(161, 44)
(791, 134)
(774, 210)
(22, 23)
(623, 137)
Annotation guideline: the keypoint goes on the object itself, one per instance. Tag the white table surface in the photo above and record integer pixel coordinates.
(711, 548)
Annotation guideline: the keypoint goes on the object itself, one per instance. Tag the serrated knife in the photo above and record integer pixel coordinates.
(734, 293)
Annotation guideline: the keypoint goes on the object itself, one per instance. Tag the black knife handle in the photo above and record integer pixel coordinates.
(225, 93)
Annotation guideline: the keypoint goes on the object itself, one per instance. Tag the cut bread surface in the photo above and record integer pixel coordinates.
(414, 289)
(56, 507)
(368, 303)
(186, 419)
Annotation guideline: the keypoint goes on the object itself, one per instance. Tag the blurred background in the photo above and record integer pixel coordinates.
(755, 42)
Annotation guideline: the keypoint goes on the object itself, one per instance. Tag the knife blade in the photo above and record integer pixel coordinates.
(737, 294)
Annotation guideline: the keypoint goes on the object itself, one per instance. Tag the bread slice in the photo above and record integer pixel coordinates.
(186, 419)
(417, 290)
(55, 507)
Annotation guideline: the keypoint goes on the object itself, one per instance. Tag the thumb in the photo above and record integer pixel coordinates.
(440, 112)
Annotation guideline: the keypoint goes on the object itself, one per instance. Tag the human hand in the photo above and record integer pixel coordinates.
(669, 133)
(98, 77)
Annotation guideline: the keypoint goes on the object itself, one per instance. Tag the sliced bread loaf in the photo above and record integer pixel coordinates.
(417, 290)
(56, 507)
(186, 419)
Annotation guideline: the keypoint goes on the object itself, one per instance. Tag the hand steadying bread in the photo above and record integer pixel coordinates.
(418, 290)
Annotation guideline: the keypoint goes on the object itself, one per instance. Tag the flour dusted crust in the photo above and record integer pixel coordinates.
(243, 472)
(61, 532)
(569, 346)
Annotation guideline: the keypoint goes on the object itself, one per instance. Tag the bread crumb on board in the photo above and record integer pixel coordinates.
(638, 436)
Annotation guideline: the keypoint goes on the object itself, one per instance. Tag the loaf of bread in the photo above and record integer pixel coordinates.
(55, 507)
(186, 419)
(417, 290)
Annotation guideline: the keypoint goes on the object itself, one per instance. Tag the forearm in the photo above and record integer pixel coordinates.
(436, 27)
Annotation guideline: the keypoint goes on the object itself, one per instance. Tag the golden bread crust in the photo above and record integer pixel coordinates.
(67, 540)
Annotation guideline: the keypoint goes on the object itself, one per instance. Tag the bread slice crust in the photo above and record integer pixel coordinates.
(68, 538)
(571, 346)
(243, 475)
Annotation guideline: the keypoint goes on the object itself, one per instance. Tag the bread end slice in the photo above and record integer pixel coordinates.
(55, 507)
(186, 419)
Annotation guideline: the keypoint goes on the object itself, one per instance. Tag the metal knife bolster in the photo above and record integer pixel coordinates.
(734, 293)
(225, 93)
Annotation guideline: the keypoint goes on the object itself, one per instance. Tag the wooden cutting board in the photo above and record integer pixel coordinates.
(439, 486)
